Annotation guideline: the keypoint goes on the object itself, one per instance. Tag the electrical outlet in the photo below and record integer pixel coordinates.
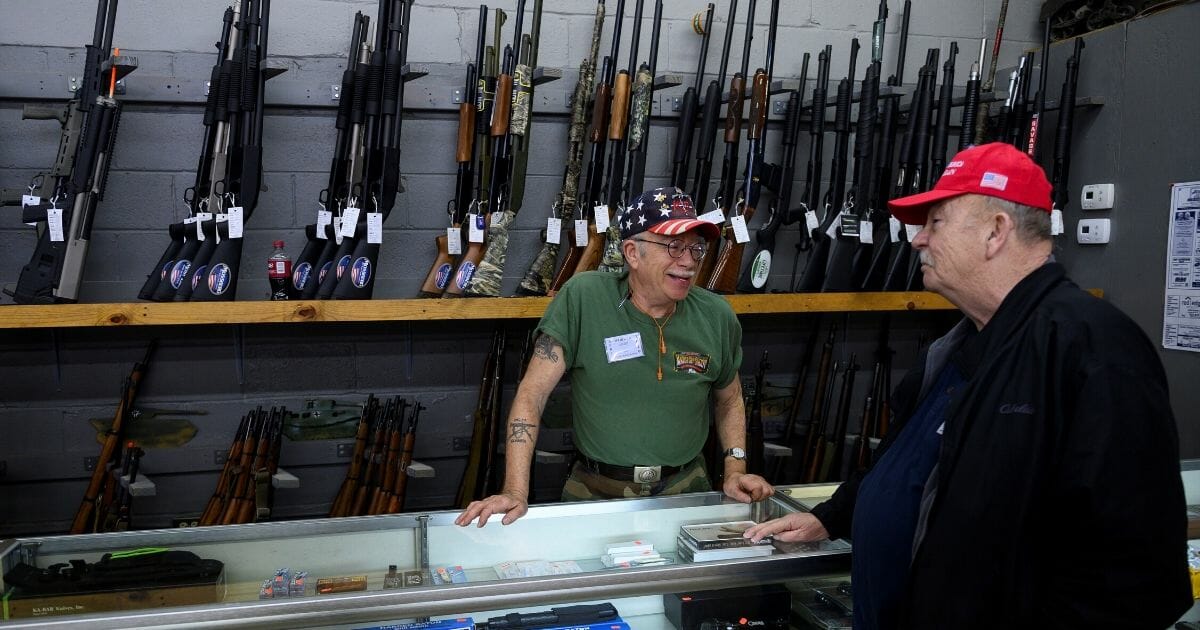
(459, 444)
(180, 522)
(89, 463)
(219, 457)
(345, 449)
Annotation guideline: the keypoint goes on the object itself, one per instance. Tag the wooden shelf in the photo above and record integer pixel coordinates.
(194, 313)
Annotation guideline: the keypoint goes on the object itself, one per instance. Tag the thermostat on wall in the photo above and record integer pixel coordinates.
(1092, 232)
(1097, 196)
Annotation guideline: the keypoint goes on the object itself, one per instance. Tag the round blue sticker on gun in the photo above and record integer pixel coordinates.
(218, 279)
(199, 274)
(324, 270)
(179, 272)
(300, 275)
(342, 264)
(443, 275)
(360, 272)
(465, 271)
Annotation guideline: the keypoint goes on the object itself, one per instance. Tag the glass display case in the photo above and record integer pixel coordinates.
(567, 538)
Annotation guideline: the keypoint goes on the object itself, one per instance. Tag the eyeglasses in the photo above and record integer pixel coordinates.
(675, 248)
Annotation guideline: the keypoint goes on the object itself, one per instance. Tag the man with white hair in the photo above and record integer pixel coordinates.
(1031, 479)
(645, 350)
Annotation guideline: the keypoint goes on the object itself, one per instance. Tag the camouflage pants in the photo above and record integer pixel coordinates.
(585, 485)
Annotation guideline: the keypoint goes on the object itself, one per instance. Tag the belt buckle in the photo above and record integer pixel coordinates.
(647, 474)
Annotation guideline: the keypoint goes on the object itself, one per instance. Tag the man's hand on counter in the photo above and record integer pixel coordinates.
(745, 487)
(795, 527)
(510, 504)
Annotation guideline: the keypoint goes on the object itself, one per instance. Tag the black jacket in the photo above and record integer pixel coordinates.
(1057, 499)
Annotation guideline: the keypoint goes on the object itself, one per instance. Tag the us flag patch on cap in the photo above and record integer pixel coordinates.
(994, 180)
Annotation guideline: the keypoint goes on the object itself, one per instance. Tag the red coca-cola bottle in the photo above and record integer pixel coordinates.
(279, 272)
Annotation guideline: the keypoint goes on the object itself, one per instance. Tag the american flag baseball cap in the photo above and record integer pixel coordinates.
(668, 211)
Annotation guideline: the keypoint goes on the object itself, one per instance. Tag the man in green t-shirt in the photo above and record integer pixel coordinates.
(644, 348)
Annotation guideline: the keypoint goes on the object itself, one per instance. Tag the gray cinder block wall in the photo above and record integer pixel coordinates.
(52, 381)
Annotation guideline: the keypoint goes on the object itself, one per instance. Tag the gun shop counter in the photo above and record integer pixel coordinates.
(372, 570)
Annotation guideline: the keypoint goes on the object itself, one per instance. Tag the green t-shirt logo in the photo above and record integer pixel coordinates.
(693, 362)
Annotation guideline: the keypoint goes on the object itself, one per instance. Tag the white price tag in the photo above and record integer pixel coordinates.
(475, 232)
(349, 222)
(810, 220)
(740, 233)
(1056, 222)
(581, 233)
(497, 217)
(324, 218)
(894, 227)
(602, 219)
(234, 216)
(832, 232)
(201, 217)
(30, 200)
(554, 230)
(221, 218)
(713, 216)
(337, 230)
(866, 232)
(375, 228)
(54, 218)
(911, 231)
(454, 241)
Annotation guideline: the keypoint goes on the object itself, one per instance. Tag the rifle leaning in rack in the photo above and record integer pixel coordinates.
(539, 278)
(728, 184)
(108, 460)
(755, 447)
(62, 203)
(710, 117)
(449, 245)
(1061, 169)
(399, 486)
(855, 234)
(345, 168)
(641, 94)
(688, 111)
(780, 179)
(356, 264)
(204, 266)
(487, 278)
(611, 97)
(725, 274)
(492, 117)
(486, 424)
(607, 236)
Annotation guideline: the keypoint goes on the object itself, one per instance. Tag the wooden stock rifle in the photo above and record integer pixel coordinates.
(113, 440)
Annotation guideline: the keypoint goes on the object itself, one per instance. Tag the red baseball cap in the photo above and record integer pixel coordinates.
(995, 169)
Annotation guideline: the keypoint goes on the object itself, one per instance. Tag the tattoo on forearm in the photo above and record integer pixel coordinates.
(546, 348)
(522, 431)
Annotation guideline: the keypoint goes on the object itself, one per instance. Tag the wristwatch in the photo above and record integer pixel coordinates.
(736, 452)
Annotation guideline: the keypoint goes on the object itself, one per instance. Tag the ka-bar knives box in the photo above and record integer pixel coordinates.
(17, 607)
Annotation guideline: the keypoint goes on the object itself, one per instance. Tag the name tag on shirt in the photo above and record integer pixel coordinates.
(623, 347)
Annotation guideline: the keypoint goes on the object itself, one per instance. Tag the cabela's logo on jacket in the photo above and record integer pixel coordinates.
(693, 362)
